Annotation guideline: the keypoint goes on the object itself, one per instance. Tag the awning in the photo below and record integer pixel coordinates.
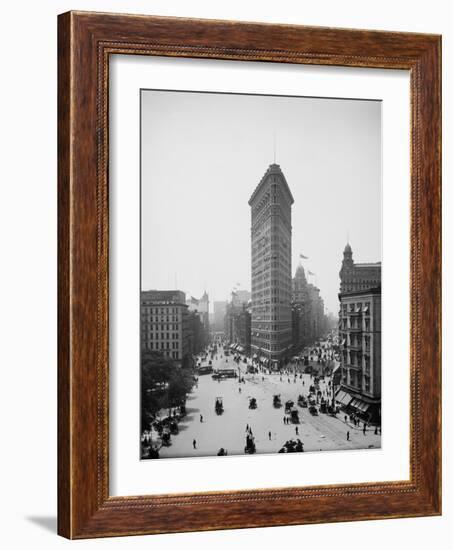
(343, 398)
(360, 405)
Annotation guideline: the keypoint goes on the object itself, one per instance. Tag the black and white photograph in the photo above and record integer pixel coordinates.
(260, 285)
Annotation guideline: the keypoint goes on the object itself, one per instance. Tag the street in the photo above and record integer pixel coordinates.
(228, 430)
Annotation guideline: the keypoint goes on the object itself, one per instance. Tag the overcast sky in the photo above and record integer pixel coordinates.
(203, 155)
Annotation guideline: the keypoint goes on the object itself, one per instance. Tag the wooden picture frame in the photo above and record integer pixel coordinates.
(85, 42)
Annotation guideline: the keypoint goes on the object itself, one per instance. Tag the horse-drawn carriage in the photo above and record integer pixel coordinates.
(277, 401)
(302, 401)
(250, 447)
(313, 410)
(289, 405)
(218, 405)
(173, 426)
(295, 416)
(331, 410)
(252, 403)
(292, 446)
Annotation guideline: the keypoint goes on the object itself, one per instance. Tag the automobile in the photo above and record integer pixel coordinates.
(313, 410)
(252, 403)
(295, 416)
(289, 405)
(277, 401)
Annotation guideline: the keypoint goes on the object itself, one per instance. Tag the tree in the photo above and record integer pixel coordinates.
(163, 385)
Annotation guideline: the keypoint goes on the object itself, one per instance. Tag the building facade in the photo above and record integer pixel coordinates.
(359, 330)
(219, 315)
(201, 305)
(358, 276)
(238, 317)
(309, 319)
(271, 327)
(164, 323)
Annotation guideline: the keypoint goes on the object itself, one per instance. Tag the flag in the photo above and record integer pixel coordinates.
(310, 273)
(303, 257)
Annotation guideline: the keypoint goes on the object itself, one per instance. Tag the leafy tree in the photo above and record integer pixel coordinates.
(163, 385)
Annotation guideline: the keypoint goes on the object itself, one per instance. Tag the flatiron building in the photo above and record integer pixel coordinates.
(270, 203)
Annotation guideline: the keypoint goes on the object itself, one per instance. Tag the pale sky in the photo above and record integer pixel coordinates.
(203, 154)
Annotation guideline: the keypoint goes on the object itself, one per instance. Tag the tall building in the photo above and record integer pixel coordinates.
(201, 305)
(308, 311)
(238, 326)
(219, 315)
(164, 323)
(239, 297)
(238, 320)
(359, 329)
(271, 230)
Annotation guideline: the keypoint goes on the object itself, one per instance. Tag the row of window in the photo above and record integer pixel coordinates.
(160, 326)
(169, 335)
(160, 319)
(159, 310)
(353, 378)
(166, 352)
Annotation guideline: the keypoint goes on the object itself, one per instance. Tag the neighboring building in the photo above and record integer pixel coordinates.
(219, 315)
(270, 203)
(238, 319)
(359, 329)
(201, 305)
(198, 338)
(164, 323)
(358, 276)
(239, 297)
(309, 319)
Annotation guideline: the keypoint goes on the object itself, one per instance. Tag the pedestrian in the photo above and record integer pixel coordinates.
(201, 418)
(375, 430)
(297, 430)
(270, 436)
(194, 443)
(247, 428)
(240, 389)
(284, 420)
(364, 428)
(345, 419)
(347, 436)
